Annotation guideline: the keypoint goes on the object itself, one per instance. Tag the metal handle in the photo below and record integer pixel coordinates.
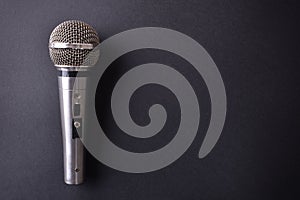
(73, 161)
(72, 95)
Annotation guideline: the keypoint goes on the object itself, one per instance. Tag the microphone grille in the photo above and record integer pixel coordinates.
(73, 32)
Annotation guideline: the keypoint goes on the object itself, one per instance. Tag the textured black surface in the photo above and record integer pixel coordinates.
(256, 47)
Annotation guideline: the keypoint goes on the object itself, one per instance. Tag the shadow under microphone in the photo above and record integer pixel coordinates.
(69, 46)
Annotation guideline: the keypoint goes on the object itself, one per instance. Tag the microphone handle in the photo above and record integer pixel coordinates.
(72, 96)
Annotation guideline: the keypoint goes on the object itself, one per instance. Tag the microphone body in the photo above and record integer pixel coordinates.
(71, 47)
(72, 103)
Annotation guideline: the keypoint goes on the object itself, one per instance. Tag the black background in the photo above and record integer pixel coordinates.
(256, 48)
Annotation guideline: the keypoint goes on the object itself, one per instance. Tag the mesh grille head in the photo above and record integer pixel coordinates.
(73, 32)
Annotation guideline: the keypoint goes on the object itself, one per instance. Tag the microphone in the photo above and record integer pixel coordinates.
(70, 46)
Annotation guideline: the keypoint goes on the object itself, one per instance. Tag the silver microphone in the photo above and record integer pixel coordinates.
(70, 48)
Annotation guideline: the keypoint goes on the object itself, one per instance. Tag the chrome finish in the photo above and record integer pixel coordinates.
(71, 46)
(72, 68)
(63, 45)
(73, 150)
(71, 42)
